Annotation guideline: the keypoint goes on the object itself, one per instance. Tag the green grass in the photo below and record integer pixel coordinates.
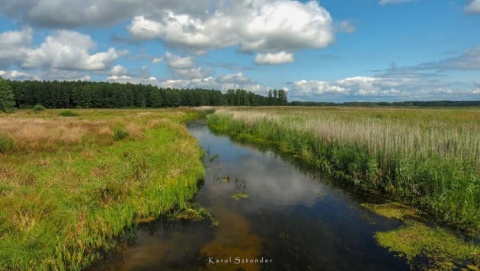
(38, 108)
(6, 143)
(68, 113)
(120, 134)
(69, 190)
(429, 158)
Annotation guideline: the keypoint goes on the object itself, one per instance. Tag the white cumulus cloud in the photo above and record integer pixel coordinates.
(237, 78)
(14, 46)
(62, 14)
(178, 62)
(255, 25)
(366, 88)
(316, 87)
(118, 70)
(15, 75)
(184, 67)
(122, 79)
(364, 85)
(286, 25)
(261, 26)
(69, 50)
(274, 58)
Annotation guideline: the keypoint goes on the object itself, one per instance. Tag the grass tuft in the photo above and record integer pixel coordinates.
(6, 144)
(38, 108)
(120, 134)
(68, 113)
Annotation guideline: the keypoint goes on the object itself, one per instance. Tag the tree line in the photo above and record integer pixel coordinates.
(86, 94)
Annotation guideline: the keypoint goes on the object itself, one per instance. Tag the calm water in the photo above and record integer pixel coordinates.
(289, 220)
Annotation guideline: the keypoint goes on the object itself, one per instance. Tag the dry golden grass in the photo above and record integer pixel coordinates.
(106, 131)
(156, 123)
(449, 134)
(135, 131)
(6, 173)
(40, 134)
(48, 134)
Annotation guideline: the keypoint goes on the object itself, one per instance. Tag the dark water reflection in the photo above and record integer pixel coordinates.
(289, 221)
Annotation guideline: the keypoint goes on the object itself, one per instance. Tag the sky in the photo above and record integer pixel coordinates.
(328, 50)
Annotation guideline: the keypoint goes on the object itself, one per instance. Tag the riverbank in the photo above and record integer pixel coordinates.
(72, 186)
(428, 158)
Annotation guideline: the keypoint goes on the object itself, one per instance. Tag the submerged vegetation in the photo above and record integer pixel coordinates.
(443, 250)
(71, 187)
(416, 241)
(428, 158)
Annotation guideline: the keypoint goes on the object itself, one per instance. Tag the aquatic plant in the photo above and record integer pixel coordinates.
(239, 195)
(445, 250)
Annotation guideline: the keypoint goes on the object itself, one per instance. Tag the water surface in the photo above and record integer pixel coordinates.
(272, 216)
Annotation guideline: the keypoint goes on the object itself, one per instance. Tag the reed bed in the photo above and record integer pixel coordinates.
(427, 157)
(70, 188)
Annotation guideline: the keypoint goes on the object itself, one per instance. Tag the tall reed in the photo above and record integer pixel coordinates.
(430, 157)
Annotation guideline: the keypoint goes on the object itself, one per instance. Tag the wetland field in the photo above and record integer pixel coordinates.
(70, 187)
(278, 188)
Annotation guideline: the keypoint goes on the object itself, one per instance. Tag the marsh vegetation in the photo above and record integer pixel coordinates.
(429, 158)
(73, 182)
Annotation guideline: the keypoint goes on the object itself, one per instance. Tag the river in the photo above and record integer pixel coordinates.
(272, 214)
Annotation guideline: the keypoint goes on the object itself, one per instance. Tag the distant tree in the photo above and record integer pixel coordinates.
(282, 97)
(270, 97)
(241, 97)
(230, 97)
(252, 99)
(7, 98)
(215, 97)
(83, 94)
(172, 97)
(139, 100)
(155, 99)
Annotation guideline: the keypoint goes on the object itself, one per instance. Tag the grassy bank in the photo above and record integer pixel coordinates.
(426, 157)
(70, 186)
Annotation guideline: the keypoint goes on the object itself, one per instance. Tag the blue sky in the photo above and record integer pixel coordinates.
(330, 50)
